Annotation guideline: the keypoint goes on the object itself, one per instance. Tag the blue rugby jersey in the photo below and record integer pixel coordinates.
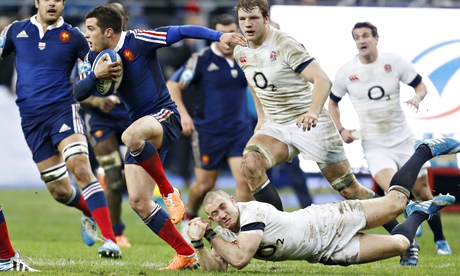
(44, 63)
(143, 88)
(221, 103)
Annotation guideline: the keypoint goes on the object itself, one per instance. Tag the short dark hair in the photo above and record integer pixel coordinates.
(365, 24)
(249, 5)
(107, 17)
(224, 19)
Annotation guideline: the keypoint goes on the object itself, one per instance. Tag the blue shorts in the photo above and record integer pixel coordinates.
(43, 133)
(211, 151)
(172, 129)
(103, 126)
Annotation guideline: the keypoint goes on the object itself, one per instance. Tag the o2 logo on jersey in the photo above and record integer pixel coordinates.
(441, 64)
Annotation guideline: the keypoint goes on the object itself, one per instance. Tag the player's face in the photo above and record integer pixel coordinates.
(253, 25)
(94, 35)
(224, 212)
(49, 11)
(365, 42)
(232, 28)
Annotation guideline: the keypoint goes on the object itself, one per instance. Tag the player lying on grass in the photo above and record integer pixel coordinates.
(328, 233)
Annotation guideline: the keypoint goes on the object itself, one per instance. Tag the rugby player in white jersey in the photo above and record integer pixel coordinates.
(372, 80)
(292, 119)
(327, 233)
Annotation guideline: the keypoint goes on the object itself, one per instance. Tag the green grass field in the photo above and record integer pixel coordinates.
(49, 233)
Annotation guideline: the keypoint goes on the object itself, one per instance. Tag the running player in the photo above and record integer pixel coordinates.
(280, 73)
(46, 50)
(372, 80)
(156, 121)
(106, 118)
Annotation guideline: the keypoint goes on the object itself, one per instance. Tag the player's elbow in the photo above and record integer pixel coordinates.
(240, 264)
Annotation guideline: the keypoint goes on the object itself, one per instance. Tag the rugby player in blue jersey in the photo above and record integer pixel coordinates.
(220, 124)
(106, 118)
(46, 50)
(156, 121)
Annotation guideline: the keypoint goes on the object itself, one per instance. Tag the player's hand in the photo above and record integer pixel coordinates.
(228, 40)
(307, 121)
(414, 102)
(107, 104)
(347, 135)
(188, 126)
(197, 228)
(105, 70)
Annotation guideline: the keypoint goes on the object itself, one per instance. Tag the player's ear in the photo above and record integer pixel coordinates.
(109, 32)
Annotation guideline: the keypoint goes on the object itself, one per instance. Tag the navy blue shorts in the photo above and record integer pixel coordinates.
(172, 129)
(211, 151)
(43, 133)
(103, 126)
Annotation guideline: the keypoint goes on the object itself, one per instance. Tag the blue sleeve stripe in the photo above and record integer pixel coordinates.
(334, 97)
(253, 226)
(416, 81)
(302, 66)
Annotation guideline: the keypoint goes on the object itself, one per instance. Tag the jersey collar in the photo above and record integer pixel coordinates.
(121, 41)
(58, 24)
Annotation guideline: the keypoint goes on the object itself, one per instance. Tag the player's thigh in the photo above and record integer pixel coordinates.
(145, 128)
(235, 167)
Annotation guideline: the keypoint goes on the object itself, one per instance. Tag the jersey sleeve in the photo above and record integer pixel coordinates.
(163, 36)
(6, 42)
(407, 72)
(82, 44)
(339, 88)
(295, 53)
(86, 85)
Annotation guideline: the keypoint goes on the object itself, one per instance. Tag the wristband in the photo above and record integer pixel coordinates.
(210, 235)
(197, 244)
(341, 129)
(418, 98)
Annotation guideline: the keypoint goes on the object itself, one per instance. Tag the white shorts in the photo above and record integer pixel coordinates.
(394, 157)
(321, 144)
(338, 225)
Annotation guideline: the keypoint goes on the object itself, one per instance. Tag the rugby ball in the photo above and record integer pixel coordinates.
(107, 87)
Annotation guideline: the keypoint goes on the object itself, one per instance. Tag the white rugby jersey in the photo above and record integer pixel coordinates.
(374, 91)
(270, 70)
(285, 235)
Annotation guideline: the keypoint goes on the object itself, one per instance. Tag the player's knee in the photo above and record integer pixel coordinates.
(131, 139)
(401, 244)
(256, 160)
(58, 191)
(54, 173)
(112, 165)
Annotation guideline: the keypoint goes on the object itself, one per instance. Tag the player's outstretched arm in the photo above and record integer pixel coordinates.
(177, 33)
